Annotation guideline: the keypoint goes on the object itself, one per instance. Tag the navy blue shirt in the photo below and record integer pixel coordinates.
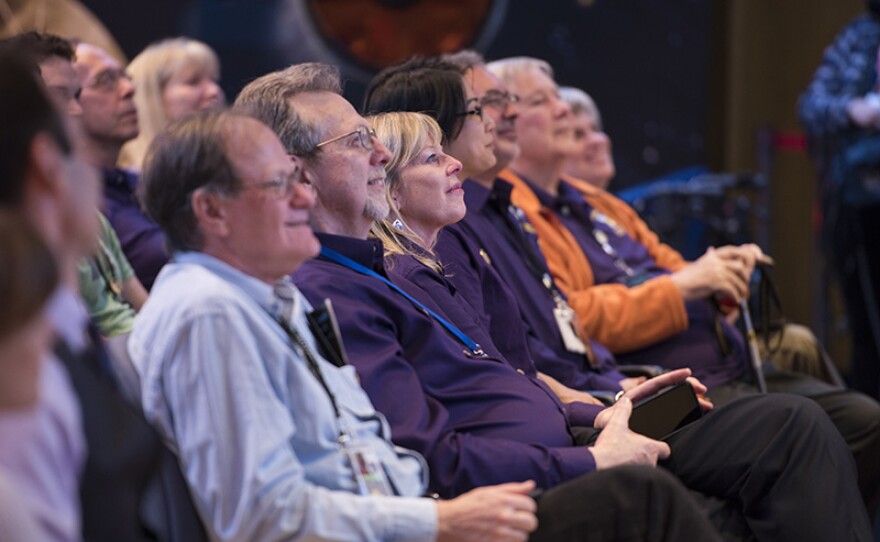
(141, 239)
(475, 418)
(490, 255)
(624, 260)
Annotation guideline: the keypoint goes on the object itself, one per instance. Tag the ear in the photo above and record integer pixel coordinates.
(211, 214)
(308, 176)
(45, 161)
(46, 191)
(395, 197)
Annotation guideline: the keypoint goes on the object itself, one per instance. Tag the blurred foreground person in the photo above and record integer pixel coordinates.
(28, 278)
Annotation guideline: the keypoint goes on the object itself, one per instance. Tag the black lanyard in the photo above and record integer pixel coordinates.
(536, 265)
(532, 260)
(315, 369)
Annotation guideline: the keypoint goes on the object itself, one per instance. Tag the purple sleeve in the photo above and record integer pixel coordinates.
(582, 414)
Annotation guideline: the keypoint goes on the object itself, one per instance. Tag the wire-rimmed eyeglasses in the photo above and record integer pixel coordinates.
(108, 79)
(476, 111)
(498, 99)
(365, 137)
(281, 187)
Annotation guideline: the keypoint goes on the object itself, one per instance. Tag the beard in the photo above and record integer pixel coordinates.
(377, 208)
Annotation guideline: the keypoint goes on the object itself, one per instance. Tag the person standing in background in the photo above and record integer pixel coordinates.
(840, 111)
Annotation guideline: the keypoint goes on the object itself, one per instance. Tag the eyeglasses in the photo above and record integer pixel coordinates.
(108, 79)
(498, 99)
(365, 137)
(65, 94)
(477, 111)
(281, 186)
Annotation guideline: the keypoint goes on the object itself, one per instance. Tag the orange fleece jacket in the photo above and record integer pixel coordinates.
(622, 318)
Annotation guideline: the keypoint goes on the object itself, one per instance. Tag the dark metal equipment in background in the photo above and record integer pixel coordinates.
(708, 209)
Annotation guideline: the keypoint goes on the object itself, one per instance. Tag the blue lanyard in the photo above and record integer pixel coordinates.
(331, 254)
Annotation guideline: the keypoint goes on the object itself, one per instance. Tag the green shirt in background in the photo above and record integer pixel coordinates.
(100, 284)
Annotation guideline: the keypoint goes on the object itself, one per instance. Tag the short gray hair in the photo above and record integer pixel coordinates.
(464, 59)
(267, 99)
(507, 68)
(581, 102)
(190, 154)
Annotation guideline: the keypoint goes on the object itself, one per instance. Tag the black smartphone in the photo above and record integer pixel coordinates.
(325, 328)
(665, 412)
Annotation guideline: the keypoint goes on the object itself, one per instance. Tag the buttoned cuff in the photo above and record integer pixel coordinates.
(575, 461)
(581, 414)
(409, 519)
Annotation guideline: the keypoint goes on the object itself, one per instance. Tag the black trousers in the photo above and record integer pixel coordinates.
(767, 467)
(771, 467)
(851, 243)
(629, 503)
(855, 415)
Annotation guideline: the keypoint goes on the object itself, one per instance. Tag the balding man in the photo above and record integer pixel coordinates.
(109, 120)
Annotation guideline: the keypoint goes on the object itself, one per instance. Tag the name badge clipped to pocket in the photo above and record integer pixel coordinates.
(564, 318)
(368, 471)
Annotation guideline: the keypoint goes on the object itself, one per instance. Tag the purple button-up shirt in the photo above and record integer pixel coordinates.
(699, 347)
(469, 316)
(489, 245)
(475, 418)
(142, 240)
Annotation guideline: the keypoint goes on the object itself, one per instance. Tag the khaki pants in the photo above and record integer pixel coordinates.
(799, 352)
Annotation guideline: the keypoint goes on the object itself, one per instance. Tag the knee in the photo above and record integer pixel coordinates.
(642, 479)
(862, 418)
(789, 412)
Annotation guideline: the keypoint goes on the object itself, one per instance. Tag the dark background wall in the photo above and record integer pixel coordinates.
(644, 61)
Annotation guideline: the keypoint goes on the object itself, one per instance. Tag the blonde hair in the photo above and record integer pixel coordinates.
(150, 72)
(405, 134)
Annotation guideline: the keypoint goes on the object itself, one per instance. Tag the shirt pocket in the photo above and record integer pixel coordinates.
(352, 397)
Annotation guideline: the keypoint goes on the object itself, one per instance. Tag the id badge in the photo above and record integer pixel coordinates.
(564, 317)
(368, 471)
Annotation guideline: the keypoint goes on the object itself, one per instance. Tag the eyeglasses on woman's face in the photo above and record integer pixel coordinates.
(476, 111)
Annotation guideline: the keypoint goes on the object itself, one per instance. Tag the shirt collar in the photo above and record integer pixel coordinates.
(367, 252)
(475, 195)
(567, 195)
(119, 178)
(254, 288)
(545, 198)
(502, 192)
